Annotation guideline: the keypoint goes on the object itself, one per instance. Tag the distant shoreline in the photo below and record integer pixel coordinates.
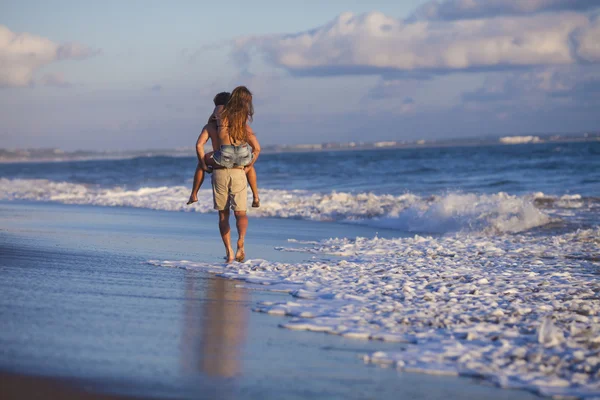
(57, 155)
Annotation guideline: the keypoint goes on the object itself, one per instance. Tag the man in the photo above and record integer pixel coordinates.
(230, 188)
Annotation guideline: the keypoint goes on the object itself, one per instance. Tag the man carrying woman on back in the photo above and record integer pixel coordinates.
(227, 152)
(235, 150)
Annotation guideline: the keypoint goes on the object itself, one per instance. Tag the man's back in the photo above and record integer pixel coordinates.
(217, 140)
(223, 128)
(213, 134)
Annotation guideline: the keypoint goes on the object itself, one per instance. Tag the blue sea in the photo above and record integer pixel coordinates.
(474, 261)
(424, 189)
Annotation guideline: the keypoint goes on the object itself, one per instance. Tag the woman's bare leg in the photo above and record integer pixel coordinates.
(251, 176)
(198, 179)
(209, 160)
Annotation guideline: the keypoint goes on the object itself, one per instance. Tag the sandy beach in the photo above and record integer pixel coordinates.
(421, 180)
(83, 312)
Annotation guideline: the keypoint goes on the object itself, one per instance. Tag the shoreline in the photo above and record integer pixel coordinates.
(292, 149)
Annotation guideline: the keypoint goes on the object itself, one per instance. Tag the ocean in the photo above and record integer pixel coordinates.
(482, 261)
(430, 190)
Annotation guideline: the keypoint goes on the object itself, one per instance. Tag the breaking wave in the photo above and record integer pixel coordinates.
(494, 213)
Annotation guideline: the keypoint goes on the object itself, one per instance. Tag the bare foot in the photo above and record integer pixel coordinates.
(240, 255)
(193, 199)
(256, 202)
(229, 257)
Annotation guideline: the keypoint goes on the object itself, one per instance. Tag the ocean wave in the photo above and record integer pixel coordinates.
(494, 213)
(566, 201)
(521, 311)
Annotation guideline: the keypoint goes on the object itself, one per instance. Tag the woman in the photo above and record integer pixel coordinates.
(232, 124)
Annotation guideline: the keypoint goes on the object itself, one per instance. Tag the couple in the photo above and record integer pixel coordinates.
(235, 150)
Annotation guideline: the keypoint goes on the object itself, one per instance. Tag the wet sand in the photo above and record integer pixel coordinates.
(19, 386)
(84, 316)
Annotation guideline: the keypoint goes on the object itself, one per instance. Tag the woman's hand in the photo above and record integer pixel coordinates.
(206, 168)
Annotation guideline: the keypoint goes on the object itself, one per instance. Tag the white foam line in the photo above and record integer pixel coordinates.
(453, 212)
(511, 309)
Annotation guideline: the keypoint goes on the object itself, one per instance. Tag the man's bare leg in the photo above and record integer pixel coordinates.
(251, 176)
(226, 233)
(241, 222)
(198, 179)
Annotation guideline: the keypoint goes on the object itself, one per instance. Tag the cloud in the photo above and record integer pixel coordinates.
(587, 91)
(540, 89)
(75, 51)
(375, 44)
(54, 79)
(392, 88)
(470, 9)
(191, 56)
(407, 106)
(22, 54)
(587, 42)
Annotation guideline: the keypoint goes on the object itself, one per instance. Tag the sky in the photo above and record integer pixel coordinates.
(123, 75)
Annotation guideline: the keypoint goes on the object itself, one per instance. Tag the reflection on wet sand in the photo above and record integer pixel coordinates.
(215, 318)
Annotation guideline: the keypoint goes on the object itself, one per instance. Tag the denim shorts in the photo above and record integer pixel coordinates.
(230, 156)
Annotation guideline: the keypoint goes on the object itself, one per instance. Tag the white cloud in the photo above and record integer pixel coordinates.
(377, 44)
(467, 9)
(22, 54)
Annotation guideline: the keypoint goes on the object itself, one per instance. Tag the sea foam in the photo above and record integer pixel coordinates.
(522, 311)
(500, 212)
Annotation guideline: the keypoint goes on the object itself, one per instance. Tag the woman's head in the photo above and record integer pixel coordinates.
(237, 112)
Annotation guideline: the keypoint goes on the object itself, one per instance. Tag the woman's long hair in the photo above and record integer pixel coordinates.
(237, 112)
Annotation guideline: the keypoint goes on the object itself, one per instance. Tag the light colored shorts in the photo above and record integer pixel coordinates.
(229, 156)
(230, 189)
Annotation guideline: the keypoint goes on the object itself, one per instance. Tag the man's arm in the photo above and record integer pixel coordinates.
(202, 140)
(253, 142)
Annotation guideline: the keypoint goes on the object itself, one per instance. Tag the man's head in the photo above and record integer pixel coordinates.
(221, 98)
